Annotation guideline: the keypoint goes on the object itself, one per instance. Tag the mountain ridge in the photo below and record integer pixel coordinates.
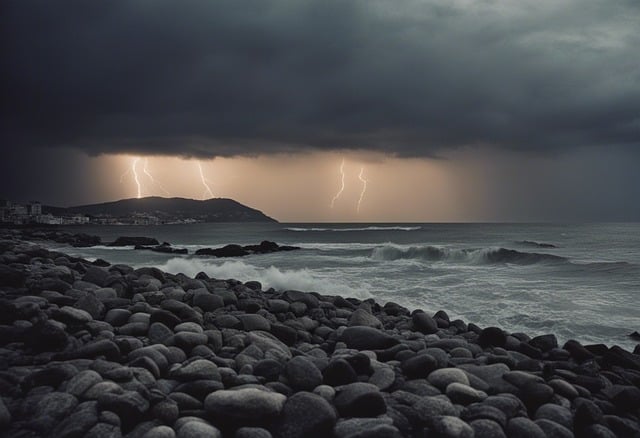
(209, 210)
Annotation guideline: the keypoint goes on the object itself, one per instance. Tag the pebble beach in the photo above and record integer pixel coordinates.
(93, 349)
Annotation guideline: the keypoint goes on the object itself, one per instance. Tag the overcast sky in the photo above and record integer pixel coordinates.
(484, 110)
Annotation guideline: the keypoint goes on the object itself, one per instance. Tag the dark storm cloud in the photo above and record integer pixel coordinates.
(257, 76)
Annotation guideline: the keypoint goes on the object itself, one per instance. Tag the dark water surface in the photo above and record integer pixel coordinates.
(587, 287)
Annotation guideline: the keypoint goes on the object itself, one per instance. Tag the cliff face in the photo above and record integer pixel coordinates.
(210, 210)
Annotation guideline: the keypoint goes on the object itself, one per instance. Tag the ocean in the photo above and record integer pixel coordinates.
(586, 286)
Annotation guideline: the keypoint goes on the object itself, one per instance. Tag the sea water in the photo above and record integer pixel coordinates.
(578, 281)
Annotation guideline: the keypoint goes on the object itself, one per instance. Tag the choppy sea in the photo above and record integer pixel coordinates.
(579, 281)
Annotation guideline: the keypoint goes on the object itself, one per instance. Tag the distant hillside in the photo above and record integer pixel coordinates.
(211, 210)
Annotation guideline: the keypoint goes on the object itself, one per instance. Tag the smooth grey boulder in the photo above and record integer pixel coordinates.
(367, 338)
(360, 400)
(303, 374)
(247, 406)
(306, 415)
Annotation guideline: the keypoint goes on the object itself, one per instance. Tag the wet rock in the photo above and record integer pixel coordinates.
(339, 372)
(441, 378)
(160, 432)
(248, 406)
(464, 394)
(302, 374)
(82, 381)
(554, 430)
(424, 323)
(419, 366)
(359, 400)
(487, 429)
(492, 337)
(535, 394)
(366, 428)
(361, 317)
(544, 342)
(56, 405)
(252, 432)
(83, 418)
(270, 369)
(133, 241)
(198, 429)
(366, 338)
(383, 378)
(522, 427)
(481, 411)
(254, 322)
(450, 427)
(129, 405)
(199, 369)
(429, 407)
(555, 413)
(306, 415)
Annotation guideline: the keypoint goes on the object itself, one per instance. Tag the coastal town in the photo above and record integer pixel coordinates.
(33, 213)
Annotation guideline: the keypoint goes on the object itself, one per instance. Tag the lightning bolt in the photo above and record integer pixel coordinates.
(135, 176)
(364, 188)
(341, 184)
(204, 182)
(153, 180)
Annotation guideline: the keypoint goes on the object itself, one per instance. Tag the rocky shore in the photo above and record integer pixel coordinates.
(90, 349)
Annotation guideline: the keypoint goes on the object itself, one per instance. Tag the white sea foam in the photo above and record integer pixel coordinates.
(473, 255)
(279, 279)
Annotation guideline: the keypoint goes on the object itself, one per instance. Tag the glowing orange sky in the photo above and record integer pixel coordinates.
(298, 187)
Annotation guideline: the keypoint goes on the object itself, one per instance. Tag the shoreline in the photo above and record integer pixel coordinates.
(94, 348)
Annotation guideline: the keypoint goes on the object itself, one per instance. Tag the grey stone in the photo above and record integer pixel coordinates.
(429, 407)
(367, 338)
(78, 422)
(441, 378)
(187, 340)
(72, 315)
(199, 369)
(104, 430)
(555, 413)
(82, 382)
(198, 429)
(117, 317)
(522, 427)
(56, 404)
(383, 378)
(553, 429)
(353, 427)
(244, 406)
(306, 415)
(303, 374)
(252, 322)
(252, 432)
(160, 432)
(481, 411)
(208, 302)
(487, 429)
(360, 400)
(361, 317)
(266, 341)
(564, 388)
(424, 323)
(464, 394)
(450, 427)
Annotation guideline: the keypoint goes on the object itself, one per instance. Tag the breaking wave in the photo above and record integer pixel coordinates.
(477, 256)
(356, 229)
(279, 279)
